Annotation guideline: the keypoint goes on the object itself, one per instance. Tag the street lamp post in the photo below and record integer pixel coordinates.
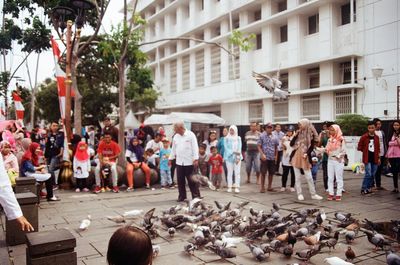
(62, 19)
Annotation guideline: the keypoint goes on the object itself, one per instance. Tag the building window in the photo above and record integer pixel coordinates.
(283, 35)
(313, 77)
(185, 72)
(258, 41)
(236, 23)
(201, 4)
(256, 111)
(216, 31)
(310, 107)
(345, 13)
(215, 65)
(285, 81)
(345, 72)
(184, 44)
(313, 24)
(173, 75)
(173, 18)
(257, 15)
(172, 48)
(200, 68)
(343, 104)
(282, 6)
(234, 66)
(281, 111)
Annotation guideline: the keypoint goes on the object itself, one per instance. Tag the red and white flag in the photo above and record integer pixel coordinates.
(60, 76)
(19, 108)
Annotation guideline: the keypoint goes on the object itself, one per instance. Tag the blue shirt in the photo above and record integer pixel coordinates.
(27, 166)
(268, 145)
(164, 156)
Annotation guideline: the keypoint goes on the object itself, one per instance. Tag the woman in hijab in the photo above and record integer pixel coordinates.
(336, 150)
(233, 157)
(134, 157)
(30, 168)
(303, 143)
(25, 142)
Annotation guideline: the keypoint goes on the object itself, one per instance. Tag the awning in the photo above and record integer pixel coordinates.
(205, 118)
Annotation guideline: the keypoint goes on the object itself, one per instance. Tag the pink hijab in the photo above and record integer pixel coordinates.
(336, 140)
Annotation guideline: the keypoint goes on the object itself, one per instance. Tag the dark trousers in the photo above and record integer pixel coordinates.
(376, 181)
(81, 183)
(278, 162)
(395, 168)
(173, 166)
(49, 188)
(183, 173)
(325, 173)
(285, 174)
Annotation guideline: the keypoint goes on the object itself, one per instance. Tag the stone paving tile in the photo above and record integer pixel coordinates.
(92, 244)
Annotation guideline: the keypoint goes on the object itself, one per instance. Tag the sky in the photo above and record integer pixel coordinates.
(46, 62)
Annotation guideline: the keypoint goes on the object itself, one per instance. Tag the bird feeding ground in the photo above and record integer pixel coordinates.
(92, 242)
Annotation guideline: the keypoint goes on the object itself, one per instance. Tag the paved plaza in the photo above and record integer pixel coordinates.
(92, 244)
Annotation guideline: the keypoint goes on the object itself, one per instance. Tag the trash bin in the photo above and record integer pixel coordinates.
(29, 207)
(51, 247)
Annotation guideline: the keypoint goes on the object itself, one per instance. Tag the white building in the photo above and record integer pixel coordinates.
(325, 57)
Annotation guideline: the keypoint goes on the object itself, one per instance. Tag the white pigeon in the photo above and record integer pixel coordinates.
(271, 84)
(231, 240)
(132, 213)
(116, 219)
(85, 223)
(156, 250)
(337, 261)
(193, 204)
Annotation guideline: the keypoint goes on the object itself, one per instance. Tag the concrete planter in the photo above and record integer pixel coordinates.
(353, 154)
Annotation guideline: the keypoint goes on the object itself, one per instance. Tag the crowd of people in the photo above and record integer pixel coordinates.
(300, 152)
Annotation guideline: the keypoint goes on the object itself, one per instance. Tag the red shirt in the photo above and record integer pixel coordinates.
(216, 164)
(108, 150)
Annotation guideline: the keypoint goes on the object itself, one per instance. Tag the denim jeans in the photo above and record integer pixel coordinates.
(252, 161)
(370, 170)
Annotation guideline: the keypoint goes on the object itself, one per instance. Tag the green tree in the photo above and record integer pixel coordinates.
(47, 101)
(352, 124)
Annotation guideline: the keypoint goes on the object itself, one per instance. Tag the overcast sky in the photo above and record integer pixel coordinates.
(46, 63)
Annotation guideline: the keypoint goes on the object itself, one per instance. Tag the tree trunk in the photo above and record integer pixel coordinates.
(77, 105)
(121, 99)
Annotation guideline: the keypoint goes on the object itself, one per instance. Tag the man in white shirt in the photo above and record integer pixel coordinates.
(9, 202)
(155, 143)
(186, 152)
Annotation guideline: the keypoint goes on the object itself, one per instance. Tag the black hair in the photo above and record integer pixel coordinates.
(375, 120)
(213, 148)
(203, 146)
(129, 245)
(371, 122)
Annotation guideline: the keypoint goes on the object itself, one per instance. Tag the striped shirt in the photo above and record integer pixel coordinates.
(251, 139)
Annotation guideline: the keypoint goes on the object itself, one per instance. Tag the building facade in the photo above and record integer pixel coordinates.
(325, 51)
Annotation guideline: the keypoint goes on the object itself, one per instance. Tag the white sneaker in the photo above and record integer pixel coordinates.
(77, 190)
(229, 190)
(300, 197)
(316, 197)
(292, 190)
(237, 190)
(283, 189)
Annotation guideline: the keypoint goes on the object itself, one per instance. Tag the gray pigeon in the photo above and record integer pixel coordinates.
(190, 248)
(257, 252)
(392, 258)
(223, 252)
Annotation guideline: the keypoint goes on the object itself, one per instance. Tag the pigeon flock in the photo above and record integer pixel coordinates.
(221, 227)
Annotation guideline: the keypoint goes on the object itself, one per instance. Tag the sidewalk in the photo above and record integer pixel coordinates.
(92, 244)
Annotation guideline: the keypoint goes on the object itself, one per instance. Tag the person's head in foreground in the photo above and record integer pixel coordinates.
(130, 245)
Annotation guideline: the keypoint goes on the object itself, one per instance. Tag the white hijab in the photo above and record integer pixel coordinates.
(234, 138)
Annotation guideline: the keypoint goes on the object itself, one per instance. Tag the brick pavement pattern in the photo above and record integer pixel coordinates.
(92, 243)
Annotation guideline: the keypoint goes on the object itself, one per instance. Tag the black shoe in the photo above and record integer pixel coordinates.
(395, 191)
(53, 199)
(180, 200)
(365, 192)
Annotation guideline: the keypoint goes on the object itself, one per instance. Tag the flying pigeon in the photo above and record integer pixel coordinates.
(272, 85)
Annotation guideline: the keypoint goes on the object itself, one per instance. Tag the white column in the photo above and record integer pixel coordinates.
(179, 67)
(207, 57)
(192, 73)
(325, 74)
(326, 20)
(224, 55)
(295, 39)
(326, 108)
(294, 107)
(267, 110)
(266, 9)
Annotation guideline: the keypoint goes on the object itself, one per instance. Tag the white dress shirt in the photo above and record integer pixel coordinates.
(184, 149)
(7, 196)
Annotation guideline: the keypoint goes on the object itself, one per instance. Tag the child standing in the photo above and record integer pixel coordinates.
(216, 163)
(286, 166)
(314, 166)
(151, 158)
(105, 175)
(81, 166)
(336, 150)
(165, 169)
(369, 146)
(203, 160)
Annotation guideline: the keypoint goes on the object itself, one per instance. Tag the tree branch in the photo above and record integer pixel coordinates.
(189, 38)
(103, 10)
(126, 40)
